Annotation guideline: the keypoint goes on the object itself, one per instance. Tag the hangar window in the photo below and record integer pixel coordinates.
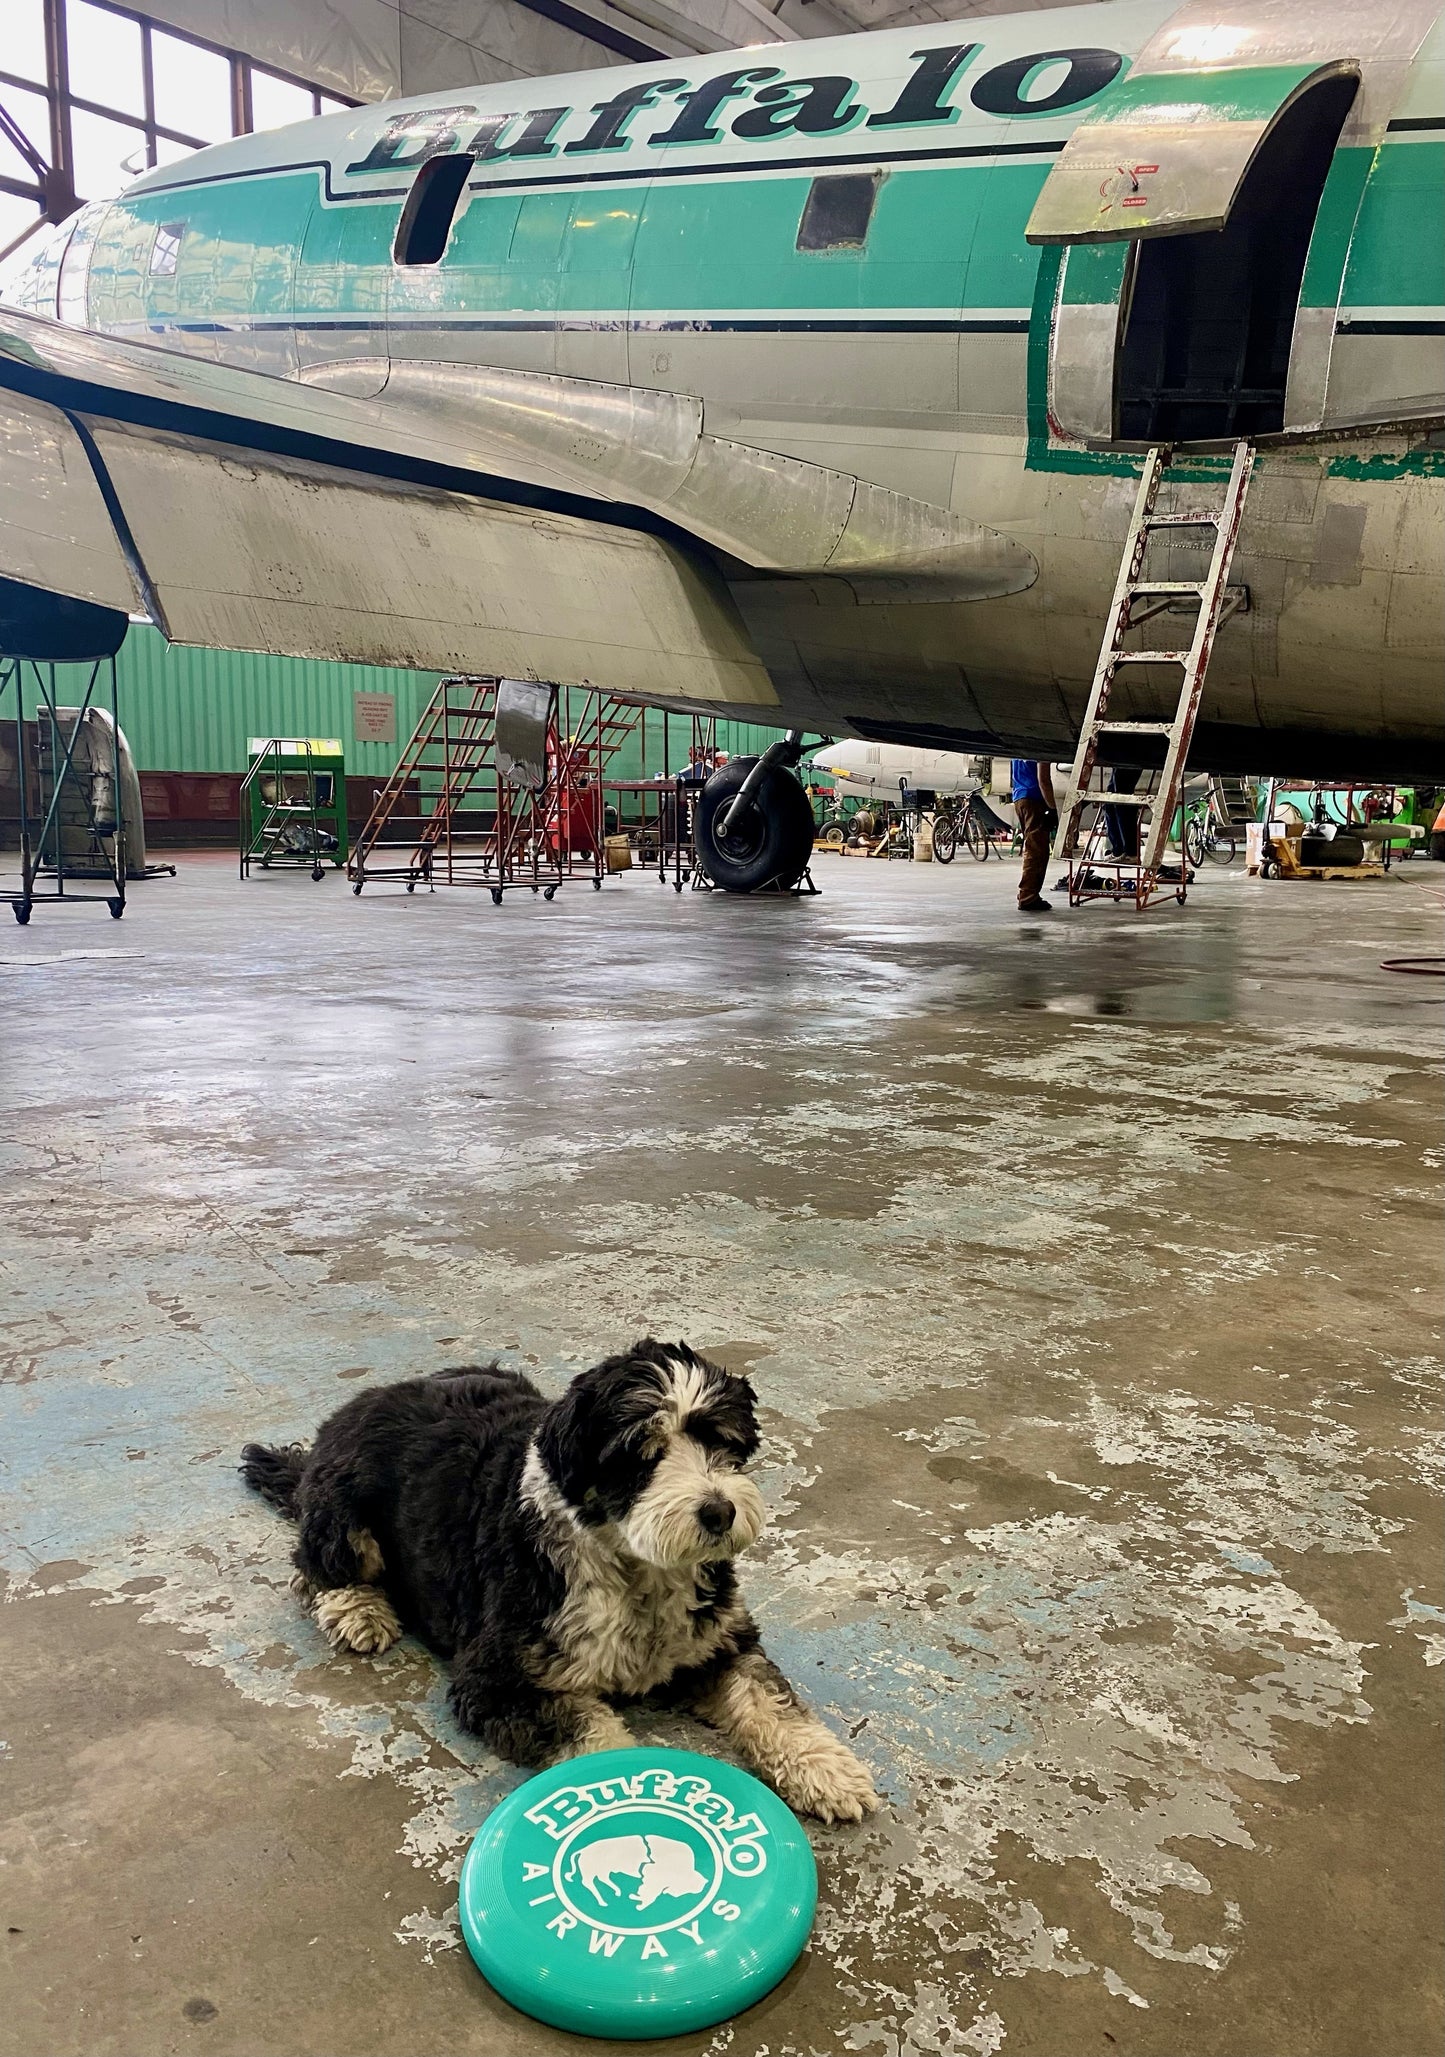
(838, 210)
(93, 91)
(431, 207)
(167, 246)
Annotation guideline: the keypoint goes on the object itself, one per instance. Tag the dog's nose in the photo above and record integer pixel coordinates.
(715, 1516)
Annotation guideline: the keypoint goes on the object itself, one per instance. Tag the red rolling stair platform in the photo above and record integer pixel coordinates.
(461, 809)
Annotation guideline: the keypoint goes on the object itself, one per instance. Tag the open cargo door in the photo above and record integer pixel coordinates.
(1186, 205)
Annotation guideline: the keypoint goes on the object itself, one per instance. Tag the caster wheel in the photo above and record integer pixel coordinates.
(117, 909)
(677, 885)
(496, 896)
(22, 915)
(597, 885)
(411, 885)
(550, 893)
(536, 889)
(357, 884)
(317, 873)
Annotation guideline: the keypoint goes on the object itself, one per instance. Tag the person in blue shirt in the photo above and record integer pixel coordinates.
(1033, 798)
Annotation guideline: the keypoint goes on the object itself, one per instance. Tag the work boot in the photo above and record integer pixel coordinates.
(1035, 906)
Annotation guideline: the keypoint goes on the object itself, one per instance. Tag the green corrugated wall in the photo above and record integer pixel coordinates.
(193, 710)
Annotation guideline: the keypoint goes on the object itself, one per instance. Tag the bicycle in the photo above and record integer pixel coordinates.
(967, 818)
(1207, 834)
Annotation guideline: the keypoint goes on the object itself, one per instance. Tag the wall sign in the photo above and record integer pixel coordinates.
(374, 717)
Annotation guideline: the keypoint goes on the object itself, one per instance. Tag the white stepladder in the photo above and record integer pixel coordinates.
(1140, 876)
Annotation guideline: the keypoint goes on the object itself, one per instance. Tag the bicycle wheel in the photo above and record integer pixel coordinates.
(945, 839)
(1194, 843)
(976, 837)
(1221, 847)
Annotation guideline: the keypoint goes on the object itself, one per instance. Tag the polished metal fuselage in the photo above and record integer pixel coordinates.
(867, 443)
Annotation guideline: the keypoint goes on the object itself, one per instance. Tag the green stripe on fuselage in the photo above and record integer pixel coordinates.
(945, 238)
(1397, 258)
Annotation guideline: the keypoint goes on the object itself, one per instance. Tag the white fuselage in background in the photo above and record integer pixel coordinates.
(875, 770)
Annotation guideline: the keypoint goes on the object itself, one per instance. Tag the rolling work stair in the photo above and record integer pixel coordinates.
(456, 811)
(422, 811)
(1094, 872)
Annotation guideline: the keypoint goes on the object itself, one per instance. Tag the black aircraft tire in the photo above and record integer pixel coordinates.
(772, 841)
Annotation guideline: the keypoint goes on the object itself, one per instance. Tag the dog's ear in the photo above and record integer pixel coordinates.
(564, 1438)
(731, 1414)
(648, 1350)
(579, 1429)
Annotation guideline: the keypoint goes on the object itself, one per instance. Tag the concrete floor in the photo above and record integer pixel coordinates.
(1086, 1269)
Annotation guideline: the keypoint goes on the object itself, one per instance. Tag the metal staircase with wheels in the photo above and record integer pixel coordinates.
(458, 811)
(1094, 872)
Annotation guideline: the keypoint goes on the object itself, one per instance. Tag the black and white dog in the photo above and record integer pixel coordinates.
(564, 1556)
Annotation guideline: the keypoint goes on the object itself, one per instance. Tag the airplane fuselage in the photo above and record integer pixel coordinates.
(823, 246)
(880, 771)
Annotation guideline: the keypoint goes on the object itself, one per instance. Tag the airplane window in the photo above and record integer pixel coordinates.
(167, 246)
(72, 298)
(838, 210)
(431, 205)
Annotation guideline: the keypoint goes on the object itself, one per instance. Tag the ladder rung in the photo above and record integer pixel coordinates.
(1117, 799)
(1206, 518)
(1133, 728)
(1190, 586)
(1149, 657)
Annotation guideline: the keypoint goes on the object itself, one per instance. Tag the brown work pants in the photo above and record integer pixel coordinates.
(1034, 819)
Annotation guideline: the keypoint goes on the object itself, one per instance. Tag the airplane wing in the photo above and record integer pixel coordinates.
(239, 512)
(456, 519)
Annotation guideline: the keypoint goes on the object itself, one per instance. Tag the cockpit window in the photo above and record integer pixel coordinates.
(167, 246)
(72, 298)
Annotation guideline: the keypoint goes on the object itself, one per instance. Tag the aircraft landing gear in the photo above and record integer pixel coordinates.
(754, 823)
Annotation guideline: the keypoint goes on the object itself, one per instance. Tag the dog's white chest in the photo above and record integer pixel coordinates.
(627, 1633)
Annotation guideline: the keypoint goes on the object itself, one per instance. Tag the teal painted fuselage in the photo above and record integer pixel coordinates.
(825, 244)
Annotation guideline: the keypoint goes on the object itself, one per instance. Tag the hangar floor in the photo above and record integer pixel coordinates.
(1086, 1271)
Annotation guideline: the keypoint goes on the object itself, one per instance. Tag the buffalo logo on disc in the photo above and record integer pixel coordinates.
(646, 1866)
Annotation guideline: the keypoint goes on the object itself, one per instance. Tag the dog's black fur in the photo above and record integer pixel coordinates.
(506, 1530)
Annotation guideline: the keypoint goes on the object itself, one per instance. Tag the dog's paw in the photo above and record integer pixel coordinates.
(357, 1618)
(604, 1730)
(598, 1728)
(823, 1778)
(304, 1589)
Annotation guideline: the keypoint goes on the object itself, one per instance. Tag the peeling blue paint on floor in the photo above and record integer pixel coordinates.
(1080, 1342)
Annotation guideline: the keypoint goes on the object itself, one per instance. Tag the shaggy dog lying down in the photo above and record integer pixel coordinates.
(563, 1555)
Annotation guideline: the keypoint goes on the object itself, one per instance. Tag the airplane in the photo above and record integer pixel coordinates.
(809, 384)
(878, 771)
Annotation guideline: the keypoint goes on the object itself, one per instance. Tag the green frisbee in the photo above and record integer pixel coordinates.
(638, 1893)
